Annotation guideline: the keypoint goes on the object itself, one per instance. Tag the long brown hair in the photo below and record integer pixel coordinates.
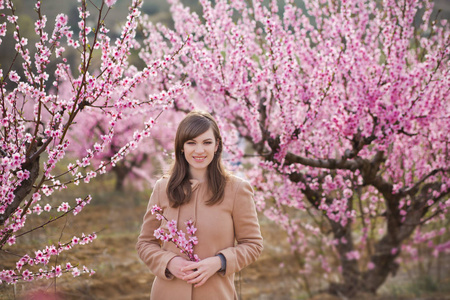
(179, 187)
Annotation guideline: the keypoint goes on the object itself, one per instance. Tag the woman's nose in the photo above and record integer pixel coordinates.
(199, 149)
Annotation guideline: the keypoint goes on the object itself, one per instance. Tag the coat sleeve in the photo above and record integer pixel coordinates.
(247, 232)
(147, 246)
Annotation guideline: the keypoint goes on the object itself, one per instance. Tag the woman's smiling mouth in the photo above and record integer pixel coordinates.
(199, 158)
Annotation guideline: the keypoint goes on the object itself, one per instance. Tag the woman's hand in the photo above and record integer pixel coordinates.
(176, 265)
(198, 273)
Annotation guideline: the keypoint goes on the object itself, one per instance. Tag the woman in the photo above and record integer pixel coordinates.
(222, 209)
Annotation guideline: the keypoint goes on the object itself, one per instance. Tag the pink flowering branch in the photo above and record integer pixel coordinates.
(64, 207)
(43, 257)
(177, 237)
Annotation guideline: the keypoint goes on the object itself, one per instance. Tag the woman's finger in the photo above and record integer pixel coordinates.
(190, 267)
(201, 282)
(191, 276)
(198, 279)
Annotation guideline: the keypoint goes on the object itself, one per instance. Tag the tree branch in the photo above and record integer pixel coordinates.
(329, 163)
(412, 190)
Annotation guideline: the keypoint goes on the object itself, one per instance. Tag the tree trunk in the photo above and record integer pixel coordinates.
(350, 269)
(23, 189)
(384, 264)
(121, 171)
(387, 249)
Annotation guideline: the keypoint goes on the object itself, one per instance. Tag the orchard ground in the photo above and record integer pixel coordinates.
(117, 217)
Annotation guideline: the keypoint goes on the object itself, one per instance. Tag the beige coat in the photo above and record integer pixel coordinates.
(218, 227)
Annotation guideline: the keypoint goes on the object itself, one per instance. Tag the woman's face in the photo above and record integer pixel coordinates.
(199, 152)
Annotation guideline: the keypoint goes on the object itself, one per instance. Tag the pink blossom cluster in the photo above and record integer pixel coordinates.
(182, 241)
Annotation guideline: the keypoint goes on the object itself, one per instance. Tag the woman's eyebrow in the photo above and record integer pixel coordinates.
(194, 140)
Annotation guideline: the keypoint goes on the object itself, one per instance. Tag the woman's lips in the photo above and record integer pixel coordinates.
(199, 158)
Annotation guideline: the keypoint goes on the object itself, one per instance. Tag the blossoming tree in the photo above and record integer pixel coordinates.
(139, 167)
(345, 104)
(38, 110)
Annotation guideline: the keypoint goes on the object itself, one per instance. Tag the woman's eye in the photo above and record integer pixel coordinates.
(208, 143)
(190, 143)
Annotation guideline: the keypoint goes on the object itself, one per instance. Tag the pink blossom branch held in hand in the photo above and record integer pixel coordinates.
(186, 246)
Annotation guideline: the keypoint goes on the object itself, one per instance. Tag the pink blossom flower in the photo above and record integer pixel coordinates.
(11, 240)
(37, 209)
(348, 193)
(57, 270)
(52, 250)
(76, 272)
(13, 76)
(12, 19)
(36, 197)
(47, 207)
(64, 207)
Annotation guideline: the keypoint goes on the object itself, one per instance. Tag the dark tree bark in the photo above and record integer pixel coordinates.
(124, 168)
(121, 171)
(24, 188)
